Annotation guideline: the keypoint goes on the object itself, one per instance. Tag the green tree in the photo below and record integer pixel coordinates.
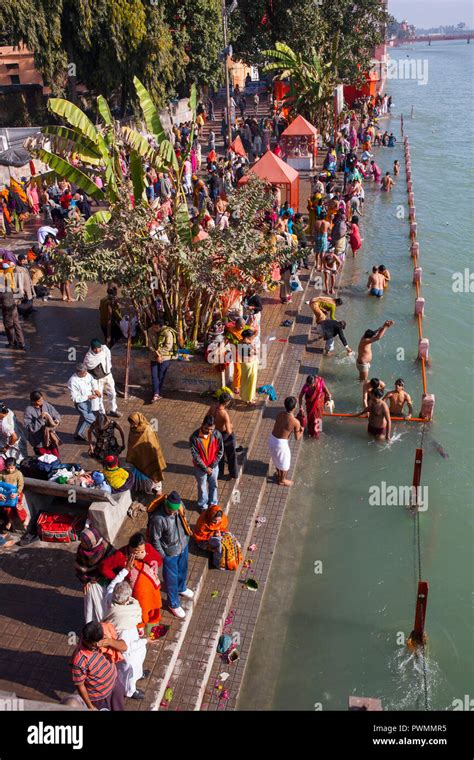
(196, 27)
(359, 26)
(312, 82)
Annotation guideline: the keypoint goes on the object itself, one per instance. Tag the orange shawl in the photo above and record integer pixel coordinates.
(204, 530)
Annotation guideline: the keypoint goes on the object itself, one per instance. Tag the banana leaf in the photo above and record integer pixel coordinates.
(73, 116)
(104, 110)
(92, 230)
(150, 113)
(166, 151)
(72, 135)
(183, 226)
(71, 173)
(142, 147)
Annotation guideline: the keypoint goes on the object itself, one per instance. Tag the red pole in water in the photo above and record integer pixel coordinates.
(417, 473)
(418, 636)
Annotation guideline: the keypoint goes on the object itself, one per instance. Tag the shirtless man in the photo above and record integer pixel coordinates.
(324, 307)
(321, 230)
(387, 182)
(364, 354)
(380, 424)
(331, 266)
(386, 275)
(368, 390)
(285, 424)
(218, 410)
(376, 283)
(397, 400)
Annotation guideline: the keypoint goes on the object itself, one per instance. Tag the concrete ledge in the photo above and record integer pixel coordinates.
(194, 376)
(108, 517)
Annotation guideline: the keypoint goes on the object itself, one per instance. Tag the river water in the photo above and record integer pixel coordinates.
(341, 595)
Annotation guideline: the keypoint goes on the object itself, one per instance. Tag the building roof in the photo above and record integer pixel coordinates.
(299, 127)
(274, 170)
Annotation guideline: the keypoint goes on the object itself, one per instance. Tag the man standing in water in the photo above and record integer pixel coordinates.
(387, 182)
(364, 354)
(285, 424)
(376, 283)
(397, 400)
(380, 424)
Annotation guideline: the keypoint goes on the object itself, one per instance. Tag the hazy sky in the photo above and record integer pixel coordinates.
(427, 13)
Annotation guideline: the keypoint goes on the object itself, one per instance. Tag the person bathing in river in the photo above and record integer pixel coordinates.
(380, 424)
(397, 400)
(355, 239)
(396, 168)
(328, 329)
(315, 394)
(376, 283)
(368, 390)
(387, 183)
(364, 353)
(285, 425)
(386, 275)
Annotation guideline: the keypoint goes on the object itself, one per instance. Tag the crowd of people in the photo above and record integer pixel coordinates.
(122, 587)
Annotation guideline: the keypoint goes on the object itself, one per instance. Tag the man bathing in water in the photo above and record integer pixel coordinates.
(380, 424)
(387, 183)
(364, 354)
(331, 266)
(285, 424)
(368, 390)
(397, 400)
(376, 283)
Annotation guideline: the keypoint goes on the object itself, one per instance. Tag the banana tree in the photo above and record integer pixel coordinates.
(312, 81)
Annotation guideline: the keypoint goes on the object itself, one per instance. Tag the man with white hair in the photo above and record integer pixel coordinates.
(98, 362)
(125, 613)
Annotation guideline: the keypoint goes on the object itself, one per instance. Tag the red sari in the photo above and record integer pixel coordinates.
(315, 397)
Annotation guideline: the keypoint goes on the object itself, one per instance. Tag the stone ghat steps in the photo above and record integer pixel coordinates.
(222, 591)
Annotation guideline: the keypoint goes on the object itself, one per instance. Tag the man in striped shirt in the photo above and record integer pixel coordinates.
(94, 674)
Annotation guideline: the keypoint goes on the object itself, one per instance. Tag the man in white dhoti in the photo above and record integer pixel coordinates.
(125, 613)
(98, 362)
(278, 441)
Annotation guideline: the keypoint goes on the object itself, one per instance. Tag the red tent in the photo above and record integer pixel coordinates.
(237, 147)
(300, 127)
(272, 169)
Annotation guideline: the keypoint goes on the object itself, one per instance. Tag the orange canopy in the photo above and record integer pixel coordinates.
(273, 169)
(300, 127)
(238, 147)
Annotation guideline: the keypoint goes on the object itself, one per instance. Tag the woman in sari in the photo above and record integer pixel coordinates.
(33, 199)
(212, 534)
(93, 548)
(145, 455)
(249, 366)
(142, 562)
(315, 394)
(208, 532)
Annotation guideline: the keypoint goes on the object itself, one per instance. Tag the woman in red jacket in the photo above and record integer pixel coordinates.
(142, 562)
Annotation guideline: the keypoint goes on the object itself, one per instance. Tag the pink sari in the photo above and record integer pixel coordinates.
(315, 396)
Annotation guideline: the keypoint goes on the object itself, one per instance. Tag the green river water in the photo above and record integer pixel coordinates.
(323, 636)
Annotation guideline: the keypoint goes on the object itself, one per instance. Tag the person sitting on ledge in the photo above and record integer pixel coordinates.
(117, 477)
